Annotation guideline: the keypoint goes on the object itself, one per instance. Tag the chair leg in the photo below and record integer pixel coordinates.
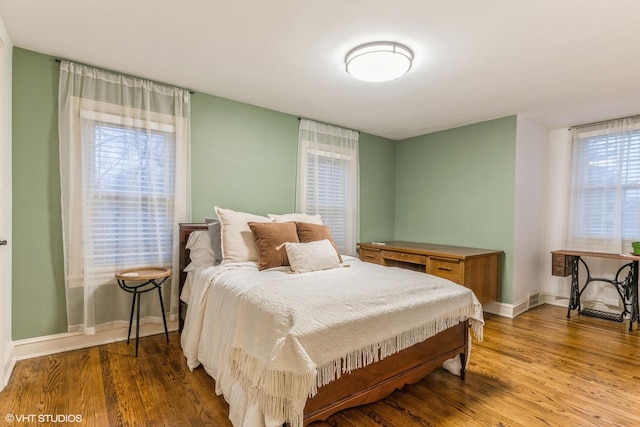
(164, 319)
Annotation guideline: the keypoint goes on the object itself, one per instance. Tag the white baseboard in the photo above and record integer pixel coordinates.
(513, 310)
(556, 300)
(506, 310)
(50, 344)
(606, 306)
(9, 363)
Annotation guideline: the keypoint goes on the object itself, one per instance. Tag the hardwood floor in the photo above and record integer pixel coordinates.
(538, 369)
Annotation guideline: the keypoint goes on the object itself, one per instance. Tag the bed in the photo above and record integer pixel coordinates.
(302, 362)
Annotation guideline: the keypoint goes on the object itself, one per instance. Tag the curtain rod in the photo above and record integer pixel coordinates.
(166, 84)
(330, 124)
(604, 121)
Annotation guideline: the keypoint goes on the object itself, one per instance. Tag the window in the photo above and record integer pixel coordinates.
(127, 195)
(130, 186)
(328, 179)
(605, 193)
(327, 193)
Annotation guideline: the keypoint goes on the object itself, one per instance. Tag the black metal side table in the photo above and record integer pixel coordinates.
(138, 281)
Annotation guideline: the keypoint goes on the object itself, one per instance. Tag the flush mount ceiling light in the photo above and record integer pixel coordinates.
(379, 61)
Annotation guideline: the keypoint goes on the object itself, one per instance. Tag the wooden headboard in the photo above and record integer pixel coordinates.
(185, 230)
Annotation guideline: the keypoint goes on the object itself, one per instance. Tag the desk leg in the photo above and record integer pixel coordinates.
(574, 296)
(635, 311)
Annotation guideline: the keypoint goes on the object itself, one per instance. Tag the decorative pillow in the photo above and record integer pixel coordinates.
(237, 239)
(297, 217)
(312, 256)
(216, 240)
(313, 232)
(269, 238)
(200, 252)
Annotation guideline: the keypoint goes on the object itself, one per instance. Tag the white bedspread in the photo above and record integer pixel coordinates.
(270, 338)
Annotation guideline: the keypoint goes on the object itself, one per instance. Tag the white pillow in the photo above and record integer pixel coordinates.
(312, 256)
(297, 217)
(201, 252)
(237, 239)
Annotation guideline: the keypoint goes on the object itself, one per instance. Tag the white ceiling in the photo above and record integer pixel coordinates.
(557, 62)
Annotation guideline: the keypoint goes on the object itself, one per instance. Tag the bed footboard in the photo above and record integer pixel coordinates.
(380, 379)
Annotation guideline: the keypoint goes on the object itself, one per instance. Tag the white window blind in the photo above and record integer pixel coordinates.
(129, 177)
(605, 191)
(327, 192)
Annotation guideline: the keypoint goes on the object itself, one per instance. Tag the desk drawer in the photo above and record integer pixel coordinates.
(560, 265)
(447, 268)
(370, 255)
(405, 257)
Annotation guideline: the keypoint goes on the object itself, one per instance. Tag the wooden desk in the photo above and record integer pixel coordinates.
(476, 269)
(566, 263)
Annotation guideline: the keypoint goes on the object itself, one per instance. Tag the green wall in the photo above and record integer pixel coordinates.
(242, 157)
(457, 187)
(38, 293)
(377, 188)
(240, 146)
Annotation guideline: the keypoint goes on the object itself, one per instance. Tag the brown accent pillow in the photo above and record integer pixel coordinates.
(269, 238)
(308, 232)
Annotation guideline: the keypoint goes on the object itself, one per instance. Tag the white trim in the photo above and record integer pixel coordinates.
(51, 344)
(6, 345)
(498, 308)
(513, 310)
(123, 120)
(506, 310)
(611, 306)
(9, 363)
(551, 299)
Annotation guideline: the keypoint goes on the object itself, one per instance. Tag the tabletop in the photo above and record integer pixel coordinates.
(143, 273)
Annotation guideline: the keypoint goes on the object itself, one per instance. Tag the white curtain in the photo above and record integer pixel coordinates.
(328, 179)
(604, 199)
(124, 162)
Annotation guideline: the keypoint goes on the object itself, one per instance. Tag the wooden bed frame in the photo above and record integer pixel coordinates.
(373, 382)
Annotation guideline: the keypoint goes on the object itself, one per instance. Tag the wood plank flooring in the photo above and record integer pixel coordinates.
(539, 369)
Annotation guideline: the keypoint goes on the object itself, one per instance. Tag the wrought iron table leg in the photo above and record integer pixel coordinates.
(164, 320)
(574, 293)
(137, 325)
(133, 306)
(634, 295)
